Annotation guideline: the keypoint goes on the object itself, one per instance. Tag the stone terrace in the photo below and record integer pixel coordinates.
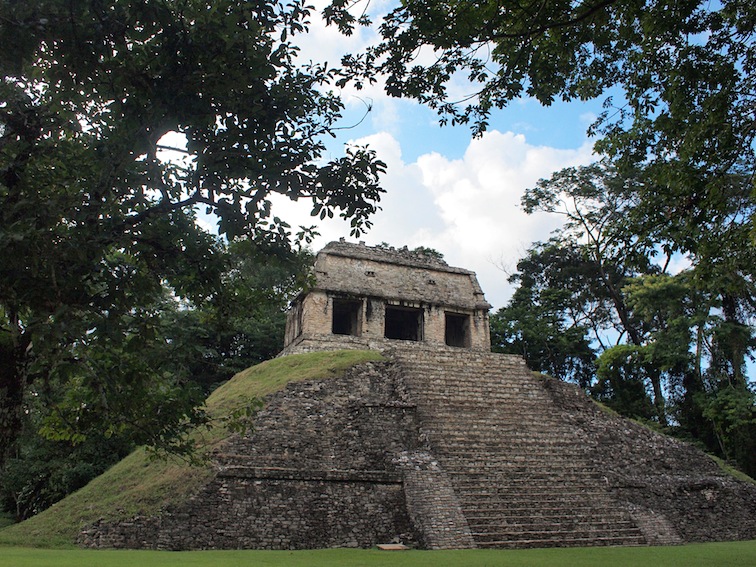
(445, 447)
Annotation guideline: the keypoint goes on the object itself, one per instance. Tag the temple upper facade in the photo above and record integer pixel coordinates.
(369, 296)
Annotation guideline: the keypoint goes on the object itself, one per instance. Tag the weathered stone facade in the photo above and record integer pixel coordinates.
(447, 448)
(334, 463)
(376, 294)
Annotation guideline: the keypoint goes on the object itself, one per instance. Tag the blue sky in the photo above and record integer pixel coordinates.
(444, 189)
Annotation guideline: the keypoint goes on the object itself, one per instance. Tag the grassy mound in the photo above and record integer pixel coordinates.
(140, 485)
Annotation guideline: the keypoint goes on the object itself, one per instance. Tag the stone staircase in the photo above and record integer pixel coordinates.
(522, 476)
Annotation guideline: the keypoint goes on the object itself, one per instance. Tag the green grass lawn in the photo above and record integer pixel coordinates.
(731, 554)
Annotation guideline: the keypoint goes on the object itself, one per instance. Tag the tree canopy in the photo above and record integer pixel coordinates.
(194, 346)
(683, 71)
(96, 223)
(601, 305)
(678, 79)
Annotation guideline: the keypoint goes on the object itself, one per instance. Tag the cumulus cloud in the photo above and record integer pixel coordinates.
(467, 208)
(478, 198)
(325, 44)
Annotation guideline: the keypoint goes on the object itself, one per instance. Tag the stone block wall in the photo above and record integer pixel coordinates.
(313, 316)
(378, 279)
(675, 491)
(400, 274)
(432, 503)
(245, 510)
(321, 469)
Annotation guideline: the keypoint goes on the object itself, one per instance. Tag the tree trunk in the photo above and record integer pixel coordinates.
(659, 402)
(12, 386)
(738, 337)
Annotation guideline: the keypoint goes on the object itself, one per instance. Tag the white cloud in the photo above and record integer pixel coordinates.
(677, 264)
(478, 198)
(325, 44)
(588, 118)
(468, 209)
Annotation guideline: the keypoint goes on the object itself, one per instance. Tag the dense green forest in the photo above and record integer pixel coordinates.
(118, 312)
(120, 122)
(196, 347)
(601, 305)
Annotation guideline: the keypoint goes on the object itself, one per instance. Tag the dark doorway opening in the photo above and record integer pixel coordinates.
(346, 317)
(404, 323)
(458, 330)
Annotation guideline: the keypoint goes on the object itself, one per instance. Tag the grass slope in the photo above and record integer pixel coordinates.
(143, 485)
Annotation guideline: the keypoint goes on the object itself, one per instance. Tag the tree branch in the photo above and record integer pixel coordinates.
(555, 25)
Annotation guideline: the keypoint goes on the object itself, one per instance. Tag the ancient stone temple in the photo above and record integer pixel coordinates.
(438, 443)
(367, 295)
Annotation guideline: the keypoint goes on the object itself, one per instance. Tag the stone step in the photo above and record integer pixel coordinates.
(467, 374)
(482, 426)
(560, 472)
(510, 453)
(525, 516)
(516, 481)
(504, 402)
(507, 530)
(502, 447)
(536, 502)
(467, 380)
(507, 491)
(471, 463)
(471, 380)
(563, 540)
(555, 472)
(464, 371)
(456, 435)
(526, 512)
(494, 444)
(527, 417)
(506, 407)
(510, 445)
(514, 466)
(463, 358)
(524, 531)
(509, 487)
(528, 422)
(551, 513)
(519, 517)
(502, 432)
(541, 503)
(477, 389)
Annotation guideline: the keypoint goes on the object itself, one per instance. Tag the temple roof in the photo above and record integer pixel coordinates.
(396, 274)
